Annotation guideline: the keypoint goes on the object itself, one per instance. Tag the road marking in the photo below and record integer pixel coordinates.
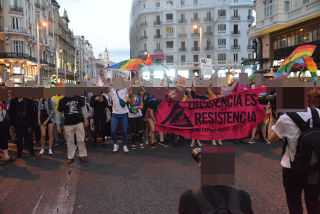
(38, 202)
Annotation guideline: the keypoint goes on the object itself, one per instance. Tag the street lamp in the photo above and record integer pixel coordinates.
(42, 24)
(195, 27)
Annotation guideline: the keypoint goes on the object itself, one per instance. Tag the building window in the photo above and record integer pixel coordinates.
(195, 44)
(222, 13)
(268, 9)
(305, 1)
(235, 13)
(249, 12)
(144, 5)
(158, 46)
(169, 44)
(0, 3)
(169, 59)
(209, 29)
(157, 4)
(169, 17)
(235, 57)
(222, 42)
(158, 33)
(195, 16)
(209, 56)
(286, 6)
(221, 58)
(16, 23)
(209, 16)
(208, 44)
(235, 29)
(15, 3)
(170, 3)
(183, 58)
(195, 58)
(222, 28)
(169, 31)
(195, 1)
(18, 47)
(183, 45)
(182, 30)
(145, 47)
(182, 3)
(235, 42)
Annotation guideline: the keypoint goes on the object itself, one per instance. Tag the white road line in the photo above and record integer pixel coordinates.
(38, 202)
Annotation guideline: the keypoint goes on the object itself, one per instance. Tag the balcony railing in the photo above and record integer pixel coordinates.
(182, 49)
(235, 17)
(195, 34)
(251, 18)
(157, 51)
(250, 46)
(143, 24)
(16, 9)
(182, 21)
(10, 29)
(195, 49)
(208, 33)
(143, 37)
(208, 48)
(195, 20)
(208, 19)
(182, 35)
(157, 23)
(157, 36)
(43, 61)
(9, 55)
(37, 5)
(235, 32)
(235, 47)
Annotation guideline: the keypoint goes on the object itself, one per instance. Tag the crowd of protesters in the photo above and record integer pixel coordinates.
(77, 120)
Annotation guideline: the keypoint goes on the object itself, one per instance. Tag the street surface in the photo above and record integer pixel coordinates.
(142, 181)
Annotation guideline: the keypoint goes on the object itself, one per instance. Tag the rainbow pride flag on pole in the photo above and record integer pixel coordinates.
(131, 64)
(301, 57)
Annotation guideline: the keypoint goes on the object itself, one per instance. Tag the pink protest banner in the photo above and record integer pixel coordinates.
(229, 117)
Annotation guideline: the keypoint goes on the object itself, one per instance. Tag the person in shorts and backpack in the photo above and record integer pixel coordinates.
(301, 154)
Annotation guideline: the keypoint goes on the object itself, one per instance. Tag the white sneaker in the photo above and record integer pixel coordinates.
(214, 143)
(252, 142)
(50, 152)
(41, 152)
(141, 146)
(192, 143)
(125, 149)
(115, 147)
(267, 142)
(199, 143)
(220, 142)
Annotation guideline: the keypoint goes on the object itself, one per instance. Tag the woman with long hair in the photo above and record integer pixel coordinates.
(46, 120)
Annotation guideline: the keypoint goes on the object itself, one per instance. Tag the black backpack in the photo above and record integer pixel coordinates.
(307, 158)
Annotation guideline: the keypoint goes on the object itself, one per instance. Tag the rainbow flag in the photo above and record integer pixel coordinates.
(296, 60)
(131, 64)
(312, 67)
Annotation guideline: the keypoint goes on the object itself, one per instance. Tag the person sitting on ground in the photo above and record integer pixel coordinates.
(215, 199)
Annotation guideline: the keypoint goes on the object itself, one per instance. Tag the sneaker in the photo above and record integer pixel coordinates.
(214, 143)
(220, 143)
(192, 143)
(141, 146)
(133, 146)
(267, 141)
(252, 142)
(56, 143)
(83, 159)
(70, 161)
(50, 152)
(163, 144)
(115, 147)
(125, 149)
(41, 152)
(199, 143)
(152, 146)
(9, 160)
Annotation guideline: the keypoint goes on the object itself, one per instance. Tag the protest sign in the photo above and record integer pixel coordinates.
(206, 66)
(229, 117)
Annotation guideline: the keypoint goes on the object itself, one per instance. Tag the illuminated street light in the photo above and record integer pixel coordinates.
(42, 24)
(195, 27)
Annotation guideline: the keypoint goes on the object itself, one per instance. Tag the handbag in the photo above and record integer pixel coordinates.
(122, 102)
(108, 115)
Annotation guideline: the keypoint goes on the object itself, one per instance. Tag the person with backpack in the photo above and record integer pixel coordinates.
(99, 104)
(21, 114)
(46, 120)
(301, 154)
(215, 200)
(57, 136)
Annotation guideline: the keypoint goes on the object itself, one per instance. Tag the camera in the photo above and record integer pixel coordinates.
(264, 99)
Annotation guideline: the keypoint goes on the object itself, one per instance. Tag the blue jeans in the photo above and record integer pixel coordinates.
(123, 119)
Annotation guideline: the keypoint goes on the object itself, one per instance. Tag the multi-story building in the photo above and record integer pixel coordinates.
(80, 52)
(283, 25)
(89, 63)
(165, 30)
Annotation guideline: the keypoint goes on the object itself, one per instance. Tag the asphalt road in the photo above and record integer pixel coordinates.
(142, 181)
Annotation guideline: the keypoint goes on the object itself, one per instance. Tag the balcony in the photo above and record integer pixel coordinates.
(157, 51)
(157, 36)
(208, 48)
(182, 49)
(208, 33)
(43, 61)
(143, 37)
(37, 5)
(9, 55)
(16, 9)
(195, 20)
(13, 30)
(143, 24)
(251, 18)
(157, 23)
(182, 35)
(195, 34)
(235, 47)
(250, 47)
(195, 49)
(235, 32)
(235, 18)
(52, 65)
(208, 19)
(182, 21)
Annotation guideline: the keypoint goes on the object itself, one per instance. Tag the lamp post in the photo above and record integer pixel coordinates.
(200, 28)
(43, 24)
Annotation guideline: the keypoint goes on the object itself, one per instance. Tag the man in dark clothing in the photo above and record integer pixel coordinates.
(21, 115)
(99, 104)
(35, 126)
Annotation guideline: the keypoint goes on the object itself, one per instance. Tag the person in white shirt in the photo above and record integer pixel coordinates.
(293, 181)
